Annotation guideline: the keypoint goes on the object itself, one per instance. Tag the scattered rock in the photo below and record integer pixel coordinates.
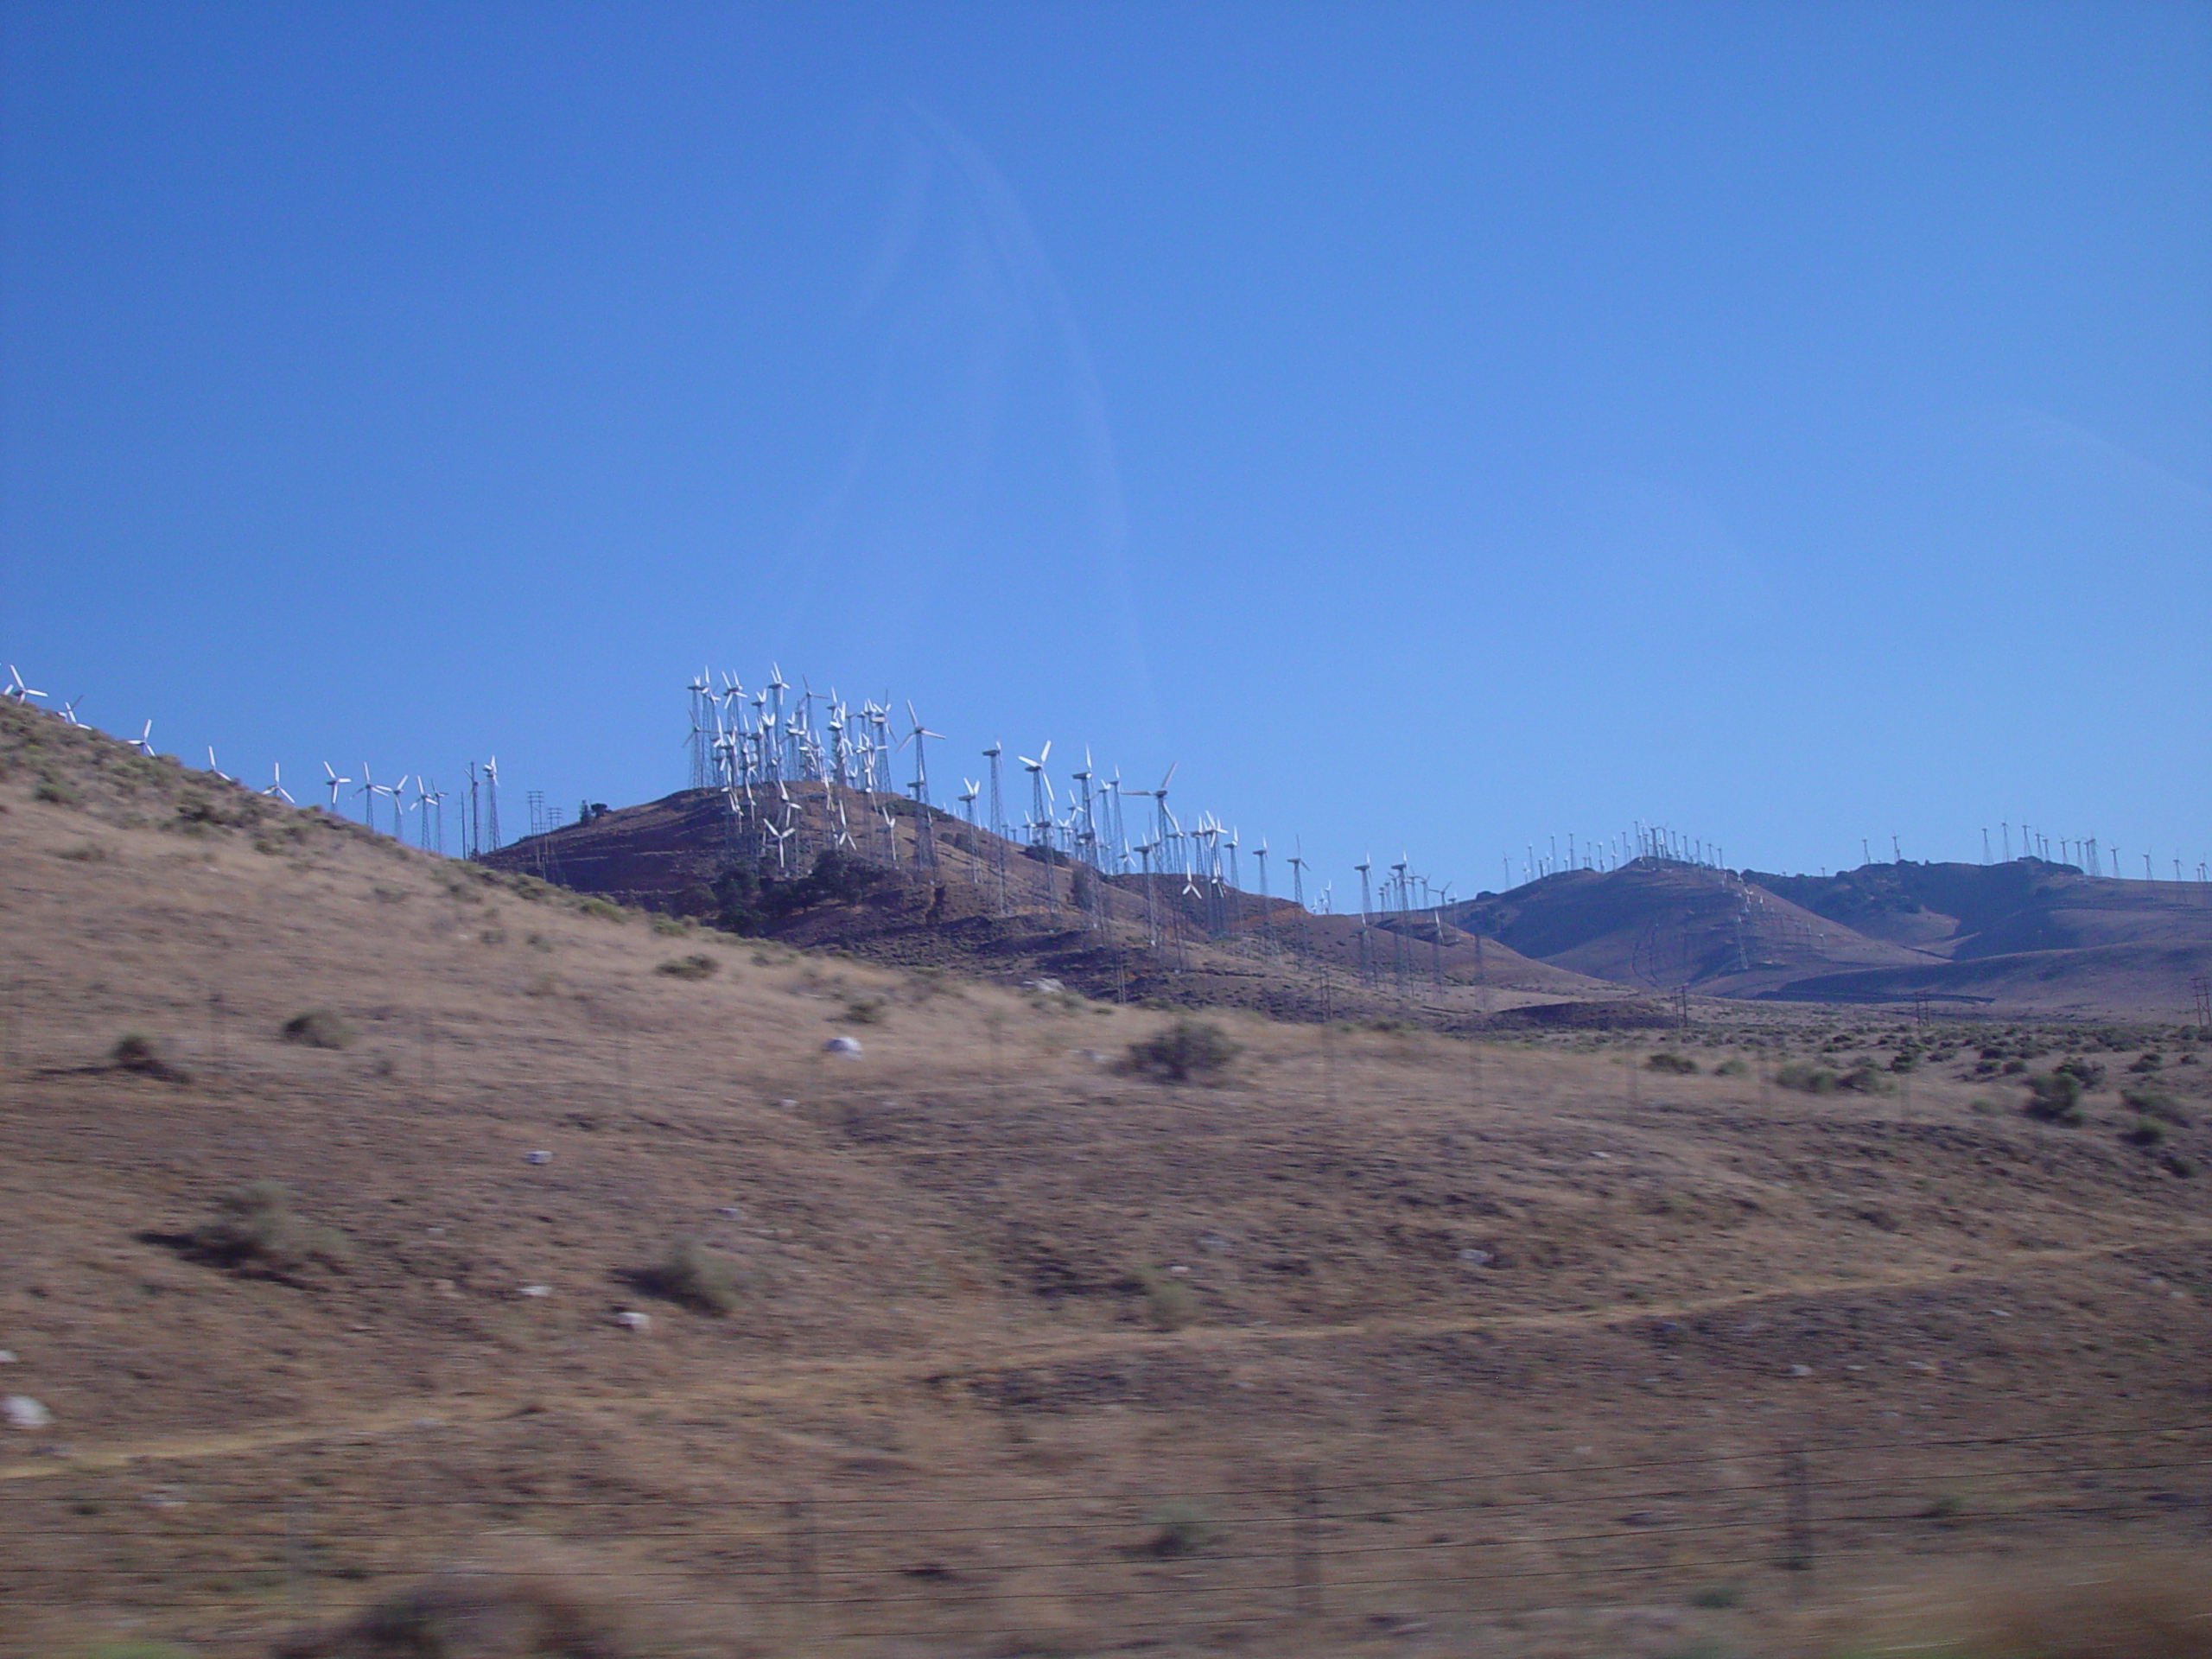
(630, 1319)
(7, 1357)
(23, 1412)
(788, 1105)
(1091, 1055)
(1800, 1371)
(535, 1290)
(1213, 1242)
(537, 1157)
(1043, 987)
(849, 1046)
(1476, 1258)
(731, 1213)
(1178, 1270)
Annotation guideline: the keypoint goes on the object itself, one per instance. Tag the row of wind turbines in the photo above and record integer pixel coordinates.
(480, 828)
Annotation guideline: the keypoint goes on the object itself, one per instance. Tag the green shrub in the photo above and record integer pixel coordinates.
(58, 791)
(318, 1028)
(1864, 1079)
(866, 1010)
(1168, 1302)
(1187, 1049)
(1680, 1066)
(2088, 1073)
(1804, 1076)
(668, 928)
(1180, 1529)
(2146, 1132)
(2054, 1097)
(692, 1276)
(2156, 1103)
(254, 1230)
(1732, 1068)
(136, 1051)
(1717, 1596)
(601, 909)
(700, 966)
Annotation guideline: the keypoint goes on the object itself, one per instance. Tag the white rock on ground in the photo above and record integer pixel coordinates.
(630, 1319)
(535, 1290)
(847, 1046)
(23, 1412)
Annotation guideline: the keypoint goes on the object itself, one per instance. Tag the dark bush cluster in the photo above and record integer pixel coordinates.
(318, 1028)
(1186, 1050)
(136, 1051)
(746, 899)
(254, 1230)
(694, 1278)
(2054, 1097)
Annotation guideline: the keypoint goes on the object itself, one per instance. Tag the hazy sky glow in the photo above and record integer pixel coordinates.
(1437, 427)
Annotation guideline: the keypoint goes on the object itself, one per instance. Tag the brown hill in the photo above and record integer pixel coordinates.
(2026, 937)
(1659, 923)
(1967, 910)
(970, 1343)
(1006, 911)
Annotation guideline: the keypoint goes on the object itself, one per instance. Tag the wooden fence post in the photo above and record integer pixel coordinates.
(1304, 1544)
(1798, 1517)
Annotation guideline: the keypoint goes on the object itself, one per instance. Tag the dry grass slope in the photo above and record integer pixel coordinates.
(1453, 1348)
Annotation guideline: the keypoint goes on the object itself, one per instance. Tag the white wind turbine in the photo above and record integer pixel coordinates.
(1041, 796)
(17, 690)
(277, 783)
(332, 782)
(216, 770)
(68, 710)
(143, 741)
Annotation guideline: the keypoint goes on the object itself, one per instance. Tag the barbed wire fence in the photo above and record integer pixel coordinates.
(1293, 1545)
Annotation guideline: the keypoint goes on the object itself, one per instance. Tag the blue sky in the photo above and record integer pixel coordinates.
(1437, 428)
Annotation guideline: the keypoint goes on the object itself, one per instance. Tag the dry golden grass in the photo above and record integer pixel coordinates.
(1532, 1318)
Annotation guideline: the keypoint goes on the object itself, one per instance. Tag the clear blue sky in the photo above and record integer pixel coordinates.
(1439, 428)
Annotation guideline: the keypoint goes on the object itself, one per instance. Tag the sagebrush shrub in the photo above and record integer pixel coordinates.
(1180, 1529)
(694, 1278)
(255, 1230)
(2054, 1097)
(318, 1028)
(136, 1051)
(1187, 1049)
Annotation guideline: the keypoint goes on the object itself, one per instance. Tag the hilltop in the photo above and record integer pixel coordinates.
(987, 1270)
(1576, 946)
(1011, 913)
